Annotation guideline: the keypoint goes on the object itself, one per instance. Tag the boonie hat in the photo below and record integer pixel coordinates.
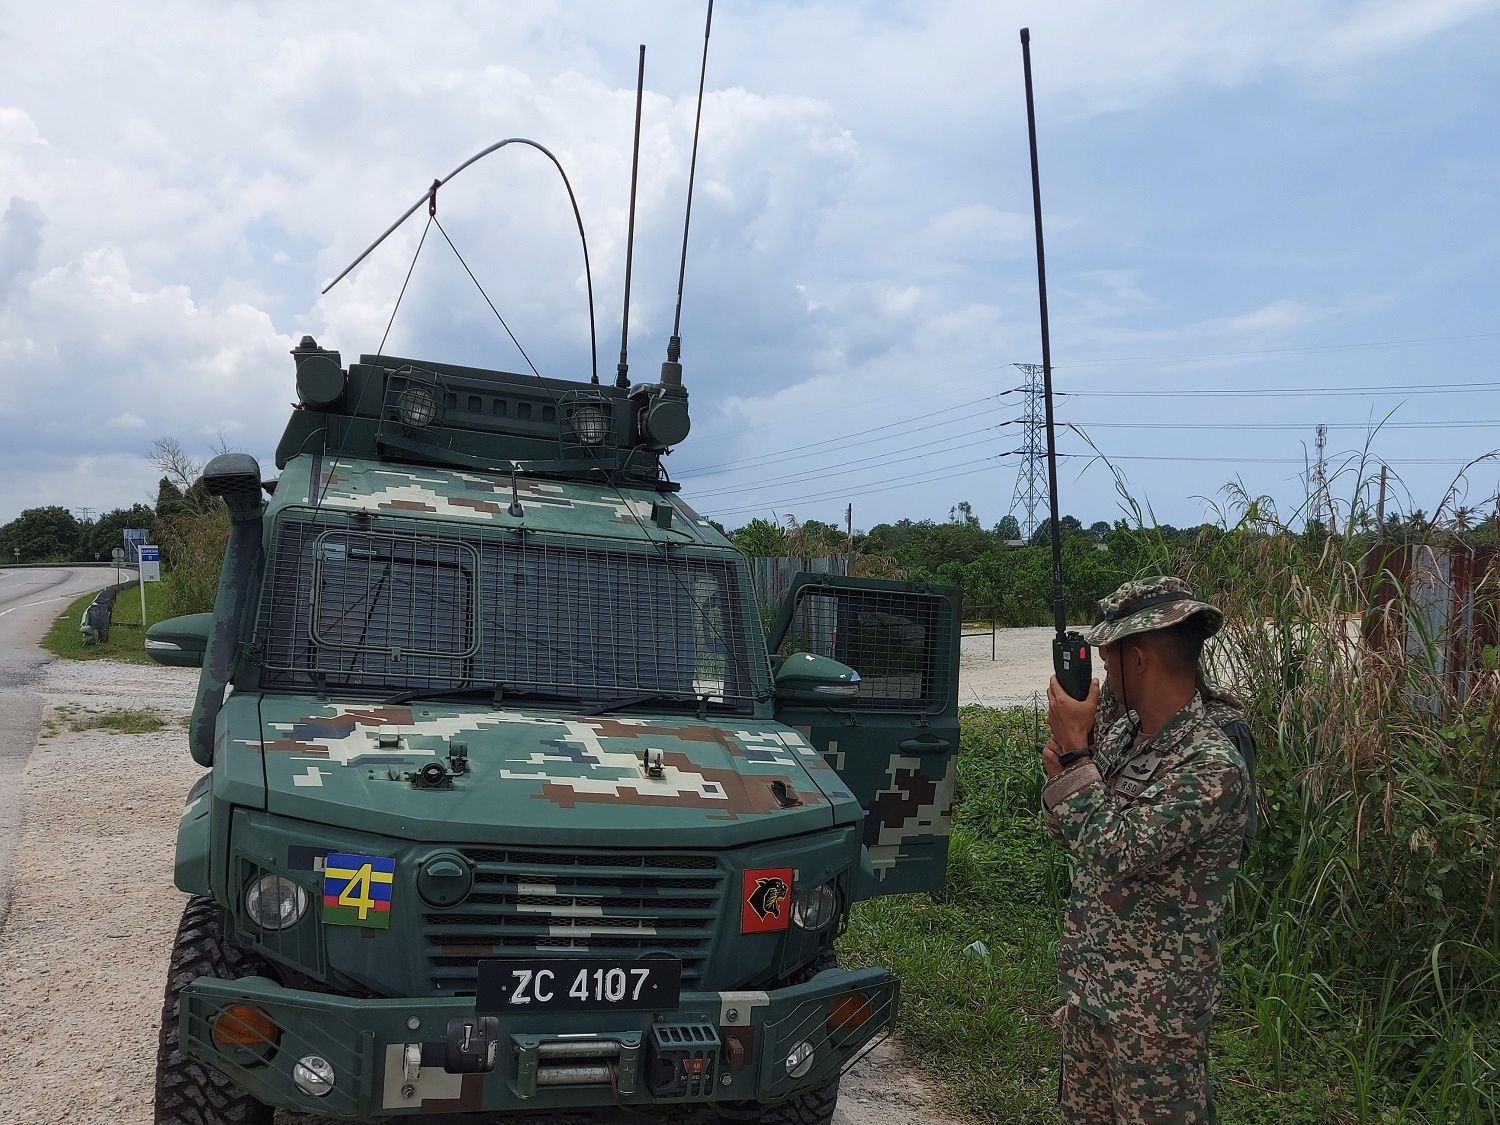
(1147, 604)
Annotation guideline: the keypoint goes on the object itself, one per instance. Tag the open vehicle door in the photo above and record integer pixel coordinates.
(895, 744)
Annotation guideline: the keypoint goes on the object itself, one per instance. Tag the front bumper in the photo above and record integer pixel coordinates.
(718, 1046)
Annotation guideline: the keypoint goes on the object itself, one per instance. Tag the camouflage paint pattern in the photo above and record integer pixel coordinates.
(537, 776)
(1115, 1077)
(915, 807)
(1140, 942)
(1146, 604)
(459, 499)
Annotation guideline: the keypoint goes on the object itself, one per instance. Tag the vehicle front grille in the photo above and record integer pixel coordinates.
(551, 904)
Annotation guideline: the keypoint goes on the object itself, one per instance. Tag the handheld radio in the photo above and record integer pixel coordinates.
(1071, 660)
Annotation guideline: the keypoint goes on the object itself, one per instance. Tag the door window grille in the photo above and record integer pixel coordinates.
(893, 640)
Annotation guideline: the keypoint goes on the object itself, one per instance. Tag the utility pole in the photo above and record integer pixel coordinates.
(1031, 488)
(1380, 507)
(849, 529)
(1318, 484)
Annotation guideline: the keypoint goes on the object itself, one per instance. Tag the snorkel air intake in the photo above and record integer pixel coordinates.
(235, 479)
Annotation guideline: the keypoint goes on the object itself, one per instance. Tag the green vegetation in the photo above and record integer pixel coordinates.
(53, 535)
(191, 528)
(1001, 578)
(984, 1019)
(1362, 941)
(126, 640)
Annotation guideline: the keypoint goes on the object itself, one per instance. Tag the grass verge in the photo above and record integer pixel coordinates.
(126, 642)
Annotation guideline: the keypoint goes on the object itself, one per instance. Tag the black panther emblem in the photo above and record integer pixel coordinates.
(768, 896)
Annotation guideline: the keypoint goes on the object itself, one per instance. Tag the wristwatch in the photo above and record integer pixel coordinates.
(1067, 759)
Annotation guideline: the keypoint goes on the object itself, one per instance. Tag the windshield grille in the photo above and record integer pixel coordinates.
(404, 609)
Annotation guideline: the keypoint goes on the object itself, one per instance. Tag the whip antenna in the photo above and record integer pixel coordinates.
(1070, 652)
(622, 378)
(671, 370)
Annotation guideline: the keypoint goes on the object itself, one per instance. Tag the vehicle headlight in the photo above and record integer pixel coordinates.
(416, 407)
(274, 903)
(817, 908)
(314, 1076)
(800, 1061)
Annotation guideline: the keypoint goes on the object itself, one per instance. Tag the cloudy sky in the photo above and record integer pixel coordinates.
(1261, 217)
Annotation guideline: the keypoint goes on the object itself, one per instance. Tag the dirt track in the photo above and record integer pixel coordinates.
(83, 954)
(1018, 674)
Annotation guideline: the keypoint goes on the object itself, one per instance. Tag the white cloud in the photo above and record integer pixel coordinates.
(17, 127)
(161, 249)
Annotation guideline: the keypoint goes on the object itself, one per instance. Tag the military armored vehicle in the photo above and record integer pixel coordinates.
(512, 802)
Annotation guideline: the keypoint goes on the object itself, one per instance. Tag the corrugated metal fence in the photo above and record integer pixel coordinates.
(773, 576)
(1439, 606)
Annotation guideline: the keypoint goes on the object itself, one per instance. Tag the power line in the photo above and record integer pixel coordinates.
(978, 466)
(804, 450)
(1284, 392)
(1262, 460)
(1312, 349)
(1446, 424)
(828, 472)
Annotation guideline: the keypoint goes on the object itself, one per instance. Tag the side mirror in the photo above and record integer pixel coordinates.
(179, 642)
(806, 678)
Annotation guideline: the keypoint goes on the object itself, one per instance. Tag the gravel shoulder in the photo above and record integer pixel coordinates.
(84, 952)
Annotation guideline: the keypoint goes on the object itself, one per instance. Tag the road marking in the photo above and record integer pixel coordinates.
(44, 601)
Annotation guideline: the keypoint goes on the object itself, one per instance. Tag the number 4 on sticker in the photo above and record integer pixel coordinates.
(357, 890)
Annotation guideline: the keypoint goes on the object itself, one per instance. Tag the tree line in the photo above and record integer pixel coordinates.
(190, 526)
(1008, 578)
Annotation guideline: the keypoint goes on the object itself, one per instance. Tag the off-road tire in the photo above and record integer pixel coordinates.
(812, 1108)
(187, 1092)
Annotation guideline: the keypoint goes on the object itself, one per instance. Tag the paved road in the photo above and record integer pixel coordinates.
(29, 602)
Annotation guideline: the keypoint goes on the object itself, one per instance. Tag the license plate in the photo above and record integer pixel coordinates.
(578, 984)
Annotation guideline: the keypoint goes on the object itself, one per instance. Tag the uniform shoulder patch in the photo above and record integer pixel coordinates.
(357, 890)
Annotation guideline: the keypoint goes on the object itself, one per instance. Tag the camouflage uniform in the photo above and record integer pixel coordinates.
(1155, 826)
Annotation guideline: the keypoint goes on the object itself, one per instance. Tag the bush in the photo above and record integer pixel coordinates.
(193, 545)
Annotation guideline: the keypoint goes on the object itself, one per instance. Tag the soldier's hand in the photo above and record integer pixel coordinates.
(1049, 758)
(1071, 720)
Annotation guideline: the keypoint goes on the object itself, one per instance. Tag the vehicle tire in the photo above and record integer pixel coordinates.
(187, 1092)
(812, 1108)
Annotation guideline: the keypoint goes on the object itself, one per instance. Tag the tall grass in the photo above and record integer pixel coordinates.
(1367, 916)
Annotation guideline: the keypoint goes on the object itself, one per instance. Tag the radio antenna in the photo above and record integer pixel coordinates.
(1070, 653)
(622, 378)
(671, 370)
(1059, 613)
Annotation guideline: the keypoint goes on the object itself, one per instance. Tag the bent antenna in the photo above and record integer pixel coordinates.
(622, 377)
(671, 370)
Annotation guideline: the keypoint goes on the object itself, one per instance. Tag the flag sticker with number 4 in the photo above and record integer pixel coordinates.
(357, 890)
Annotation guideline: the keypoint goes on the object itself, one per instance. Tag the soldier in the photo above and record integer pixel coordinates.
(1154, 815)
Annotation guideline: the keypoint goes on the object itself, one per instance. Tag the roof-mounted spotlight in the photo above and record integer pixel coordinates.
(416, 408)
(590, 425)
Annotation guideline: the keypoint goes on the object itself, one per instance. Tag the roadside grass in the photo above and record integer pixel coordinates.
(983, 1019)
(121, 720)
(126, 639)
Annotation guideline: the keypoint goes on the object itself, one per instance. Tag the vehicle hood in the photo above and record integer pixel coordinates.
(545, 776)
